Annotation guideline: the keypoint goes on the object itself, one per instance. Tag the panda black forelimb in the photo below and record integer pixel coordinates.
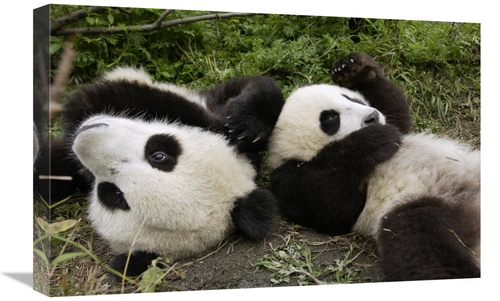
(138, 263)
(358, 71)
(361, 151)
(334, 208)
(254, 213)
(331, 209)
(251, 108)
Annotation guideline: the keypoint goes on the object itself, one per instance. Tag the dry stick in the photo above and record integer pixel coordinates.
(145, 28)
(91, 284)
(74, 17)
(208, 255)
(309, 275)
(61, 80)
(130, 253)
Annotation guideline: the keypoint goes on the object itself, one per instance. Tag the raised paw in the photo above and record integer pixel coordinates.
(247, 131)
(354, 69)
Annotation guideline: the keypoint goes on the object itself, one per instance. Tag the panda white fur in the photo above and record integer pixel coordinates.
(171, 171)
(340, 165)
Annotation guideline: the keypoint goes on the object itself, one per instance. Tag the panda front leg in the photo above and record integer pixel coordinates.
(358, 71)
(250, 115)
(135, 265)
(254, 213)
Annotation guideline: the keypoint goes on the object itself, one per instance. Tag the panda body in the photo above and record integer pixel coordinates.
(169, 171)
(340, 164)
(423, 165)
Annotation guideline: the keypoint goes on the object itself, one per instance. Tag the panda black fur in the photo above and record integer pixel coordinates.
(172, 171)
(339, 164)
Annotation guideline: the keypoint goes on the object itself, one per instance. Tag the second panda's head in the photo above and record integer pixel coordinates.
(175, 184)
(314, 116)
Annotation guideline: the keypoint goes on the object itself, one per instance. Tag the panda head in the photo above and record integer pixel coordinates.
(174, 184)
(314, 116)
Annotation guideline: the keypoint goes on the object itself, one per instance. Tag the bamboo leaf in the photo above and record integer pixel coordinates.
(57, 227)
(43, 224)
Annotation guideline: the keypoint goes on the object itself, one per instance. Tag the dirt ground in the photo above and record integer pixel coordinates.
(289, 256)
(234, 264)
(241, 263)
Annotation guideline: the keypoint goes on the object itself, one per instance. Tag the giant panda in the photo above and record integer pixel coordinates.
(172, 171)
(340, 164)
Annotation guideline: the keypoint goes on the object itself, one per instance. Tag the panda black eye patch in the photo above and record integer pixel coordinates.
(330, 122)
(111, 196)
(162, 152)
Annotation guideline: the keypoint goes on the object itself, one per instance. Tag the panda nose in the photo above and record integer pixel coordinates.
(373, 118)
(90, 126)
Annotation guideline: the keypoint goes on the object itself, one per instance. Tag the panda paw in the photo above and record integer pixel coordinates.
(133, 266)
(244, 128)
(354, 69)
(253, 214)
(383, 141)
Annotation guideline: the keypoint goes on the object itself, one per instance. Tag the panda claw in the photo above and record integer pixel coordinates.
(352, 61)
(256, 139)
(228, 117)
(241, 137)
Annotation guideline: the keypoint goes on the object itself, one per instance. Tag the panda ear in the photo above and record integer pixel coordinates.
(254, 213)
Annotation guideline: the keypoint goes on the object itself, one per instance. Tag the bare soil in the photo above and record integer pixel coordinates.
(233, 265)
(235, 262)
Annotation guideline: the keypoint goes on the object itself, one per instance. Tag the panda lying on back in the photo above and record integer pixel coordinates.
(342, 161)
(172, 171)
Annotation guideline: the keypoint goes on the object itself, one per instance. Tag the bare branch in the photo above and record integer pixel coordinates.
(162, 17)
(73, 17)
(145, 28)
(61, 80)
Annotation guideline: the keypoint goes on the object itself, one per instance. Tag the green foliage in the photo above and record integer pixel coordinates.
(294, 260)
(150, 279)
(437, 64)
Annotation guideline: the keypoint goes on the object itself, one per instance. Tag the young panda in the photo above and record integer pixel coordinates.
(244, 109)
(341, 164)
(172, 171)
